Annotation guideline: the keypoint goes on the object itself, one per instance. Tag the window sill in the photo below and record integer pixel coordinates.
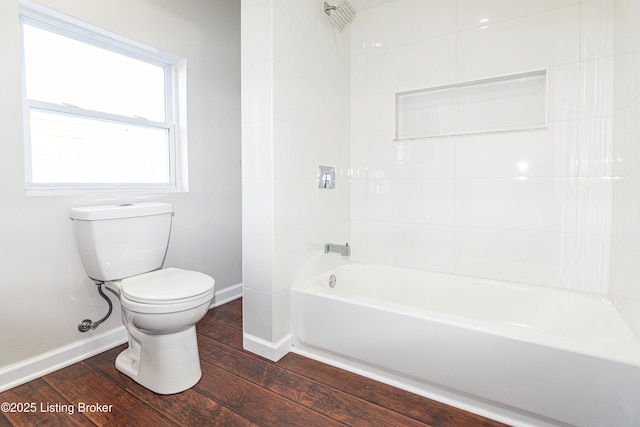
(84, 191)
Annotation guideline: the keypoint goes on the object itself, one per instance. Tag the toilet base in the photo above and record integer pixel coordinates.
(164, 364)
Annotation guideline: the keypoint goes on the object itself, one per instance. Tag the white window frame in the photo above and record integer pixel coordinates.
(175, 101)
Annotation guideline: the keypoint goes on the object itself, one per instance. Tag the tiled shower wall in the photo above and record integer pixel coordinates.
(625, 254)
(295, 117)
(531, 206)
(528, 206)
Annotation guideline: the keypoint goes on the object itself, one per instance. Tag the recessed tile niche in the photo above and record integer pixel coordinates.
(499, 104)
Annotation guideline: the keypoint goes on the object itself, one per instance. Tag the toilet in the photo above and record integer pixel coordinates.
(124, 246)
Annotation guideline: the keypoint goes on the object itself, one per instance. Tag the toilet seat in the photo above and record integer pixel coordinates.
(167, 286)
(166, 291)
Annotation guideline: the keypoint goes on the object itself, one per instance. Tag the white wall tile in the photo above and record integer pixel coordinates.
(541, 204)
(627, 204)
(528, 43)
(596, 87)
(411, 246)
(281, 314)
(596, 144)
(256, 35)
(623, 92)
(472, 13)
(521, 256)
(258, 255)
(295, 203)
(597, 29)
(517, 188)
(358, 241)
(381, 155)
(627, 132)
(563, 92)
(258, 314)
(257, 206)
(247, 4)
(292, 35)
(625, 269)
(358, 33)
(358, 200)
(627, 14)
(257, 149)
(379, 116)
(411, 66)
(305, 11)
(257, 94)
(420, 201)
(292, 251)
(539, 153)
(625, 249)
(431, 158)
(295, 101)
(421, 20)
(358, 71)
(591, 267)
(332, 115)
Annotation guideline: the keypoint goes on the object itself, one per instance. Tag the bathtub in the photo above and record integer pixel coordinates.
(523, 355)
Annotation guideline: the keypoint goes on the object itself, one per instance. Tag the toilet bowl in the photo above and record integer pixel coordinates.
(163, 348)
(123, 247)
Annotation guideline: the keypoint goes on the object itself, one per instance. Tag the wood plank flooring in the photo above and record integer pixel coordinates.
(237, 388)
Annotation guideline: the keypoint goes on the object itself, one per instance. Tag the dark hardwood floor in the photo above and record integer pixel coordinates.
(237, 388)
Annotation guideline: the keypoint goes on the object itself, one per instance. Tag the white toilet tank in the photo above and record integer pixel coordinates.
(118, 241)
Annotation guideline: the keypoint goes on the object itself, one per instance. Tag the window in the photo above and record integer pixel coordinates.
(100, 111)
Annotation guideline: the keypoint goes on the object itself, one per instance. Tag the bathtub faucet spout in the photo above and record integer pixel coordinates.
(344, 250)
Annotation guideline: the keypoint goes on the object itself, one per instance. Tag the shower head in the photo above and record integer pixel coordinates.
(341, 15)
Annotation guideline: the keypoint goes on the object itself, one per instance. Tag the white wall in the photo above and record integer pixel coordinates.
(531, 207)
(625, 268)
(45, 292)
(295, 79)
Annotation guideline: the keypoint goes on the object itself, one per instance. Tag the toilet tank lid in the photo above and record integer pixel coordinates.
(124, 210)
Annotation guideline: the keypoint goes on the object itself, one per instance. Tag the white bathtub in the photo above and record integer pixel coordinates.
(520, 354)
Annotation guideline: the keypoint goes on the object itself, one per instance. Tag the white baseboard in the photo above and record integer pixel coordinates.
(45, 363)
(267, 349)
(226, 295)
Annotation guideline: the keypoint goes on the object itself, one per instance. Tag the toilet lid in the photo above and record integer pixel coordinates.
(166, 286)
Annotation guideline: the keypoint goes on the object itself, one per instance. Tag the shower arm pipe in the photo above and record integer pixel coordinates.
(87, 324)
(328, 8)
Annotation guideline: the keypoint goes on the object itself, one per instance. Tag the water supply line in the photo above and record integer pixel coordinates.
(87, 324)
